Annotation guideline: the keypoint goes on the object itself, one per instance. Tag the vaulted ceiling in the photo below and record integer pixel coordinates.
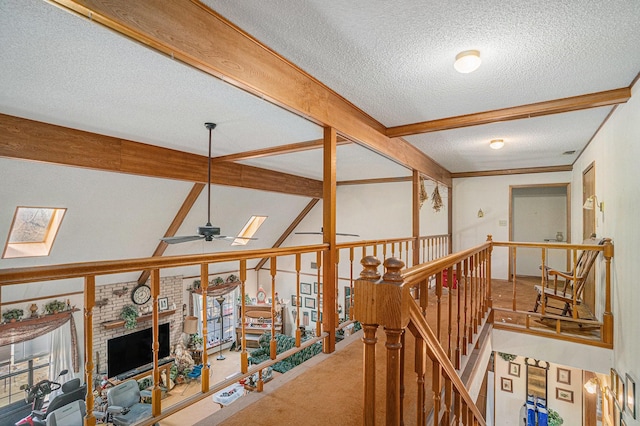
(393, 61)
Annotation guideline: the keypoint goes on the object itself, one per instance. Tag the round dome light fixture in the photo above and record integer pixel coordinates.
(496, 143)
(467, 61)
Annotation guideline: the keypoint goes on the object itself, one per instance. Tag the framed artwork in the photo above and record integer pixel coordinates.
(617, 413)
(317, 288)
(506, 384)
(564, 395)
(296, 301)
(320, 302)
(163, 303)
(314, 316)
(630, 388)
(620, 392)
(514, 369)
(309, 302)
(563, 376)
(614, 381)
(305, 288)
(305, 318)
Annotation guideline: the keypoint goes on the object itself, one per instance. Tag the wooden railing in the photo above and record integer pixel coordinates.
(88, 271)
(560, 325)
(399, 301)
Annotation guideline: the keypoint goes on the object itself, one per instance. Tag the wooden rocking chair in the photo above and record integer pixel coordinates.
(572, 281)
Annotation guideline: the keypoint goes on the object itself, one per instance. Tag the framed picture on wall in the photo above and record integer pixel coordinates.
(309, 302)
(631, 395)
(506, 384)
(296, 300)
(314, 316)
(317, 288)
(305, 318)
(563, 376)
(163, 303)
(564, 395)
(305, 288)
(620, 392)
(514, 369)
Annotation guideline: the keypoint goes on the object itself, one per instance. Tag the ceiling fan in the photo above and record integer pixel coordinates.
(206, 232)
(321, 232)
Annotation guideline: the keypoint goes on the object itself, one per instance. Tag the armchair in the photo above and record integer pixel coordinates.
(68, 415)
(124, 406)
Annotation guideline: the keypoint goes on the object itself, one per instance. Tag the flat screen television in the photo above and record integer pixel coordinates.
(134, 350)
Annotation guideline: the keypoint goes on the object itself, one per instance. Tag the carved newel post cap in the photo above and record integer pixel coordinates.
(370, 268)
(392, 269)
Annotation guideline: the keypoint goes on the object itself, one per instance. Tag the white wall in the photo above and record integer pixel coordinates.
(491, 194)
(616, 153)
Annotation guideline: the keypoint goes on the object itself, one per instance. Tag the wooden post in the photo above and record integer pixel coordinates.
(298, 300)
(204, 283)
(415, 193)
(156, 393)
(273, 342)
(607, 335)
(362, 312)
(89, 303)
(393, 346)
(329, 270)
(244, 355)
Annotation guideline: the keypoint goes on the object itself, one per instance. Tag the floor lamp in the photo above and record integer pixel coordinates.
(220, 300)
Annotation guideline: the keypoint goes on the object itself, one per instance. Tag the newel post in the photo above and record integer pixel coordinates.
(382, 302)
(607, 335)
(363, 312)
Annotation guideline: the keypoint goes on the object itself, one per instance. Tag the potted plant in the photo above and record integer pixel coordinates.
(196, 341)
(554, 418)
(13, 315)
(55, 306)
(130, 316)
(217, 281)
(506, 356)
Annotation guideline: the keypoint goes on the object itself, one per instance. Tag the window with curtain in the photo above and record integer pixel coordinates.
(23, 363)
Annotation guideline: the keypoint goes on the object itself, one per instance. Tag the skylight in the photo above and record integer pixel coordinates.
(249, 229)
(33, 231)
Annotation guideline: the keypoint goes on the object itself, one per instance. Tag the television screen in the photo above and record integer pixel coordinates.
(134, 350)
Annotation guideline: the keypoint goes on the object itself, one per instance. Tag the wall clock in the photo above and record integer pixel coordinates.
(141, 294)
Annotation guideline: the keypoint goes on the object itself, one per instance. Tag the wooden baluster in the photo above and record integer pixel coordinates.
(450, 312)
(447, 400)
(513, 297)
(465, 342)
(298, 299)
(244, 355)
(489, 279)
(481, 274)
(545, 284)
(458, 315)
(273, 271)
(420, 367)
(260, 384)
(156, 393)
(402, 354)
(424, 295)
(435, 388)
(473, 294)
(607, 333)
(375, 250)
(457, 416)
(318, 322)
(574, 305)
(478, 267)
(89, 303)
(424, 251)
(204, 283)
(438, 300)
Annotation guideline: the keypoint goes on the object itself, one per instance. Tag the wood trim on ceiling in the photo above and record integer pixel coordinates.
(376, 180)
(277, 150)
(504, 172)
(192, 33)
(556, 106)
(33, 140)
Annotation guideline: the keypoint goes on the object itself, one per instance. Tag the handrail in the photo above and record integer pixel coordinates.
(420, 323)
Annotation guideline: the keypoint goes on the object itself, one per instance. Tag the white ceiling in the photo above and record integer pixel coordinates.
(393, 60)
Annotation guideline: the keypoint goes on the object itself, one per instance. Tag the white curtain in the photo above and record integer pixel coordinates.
(197, 310)
(60, 357)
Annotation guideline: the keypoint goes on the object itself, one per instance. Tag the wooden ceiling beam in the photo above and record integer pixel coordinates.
(188, 203)
(276, 150)
(548, 169)
(190, 32)
(37, 141)
(557, 106)
(375, 180)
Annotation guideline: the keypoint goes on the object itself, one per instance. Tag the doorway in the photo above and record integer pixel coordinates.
(539, 213)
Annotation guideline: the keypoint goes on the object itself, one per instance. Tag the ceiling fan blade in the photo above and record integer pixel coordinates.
(347, 235)
(308, 233)
(223, 237)
(181, 239)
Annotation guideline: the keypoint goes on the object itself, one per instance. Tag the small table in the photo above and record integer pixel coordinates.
(229, 394)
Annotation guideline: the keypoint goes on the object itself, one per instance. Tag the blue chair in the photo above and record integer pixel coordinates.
(123, 404)
(195, 373)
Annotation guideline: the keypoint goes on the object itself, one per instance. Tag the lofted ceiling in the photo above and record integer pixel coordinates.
(392, 60)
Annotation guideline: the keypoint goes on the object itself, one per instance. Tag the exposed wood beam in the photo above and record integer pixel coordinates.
(330, 256)
(189, 31)
(557, 106)
(277, 150)
(37, 141)
(289, 230)
(504, 172)
(175, 225)
(376, 180)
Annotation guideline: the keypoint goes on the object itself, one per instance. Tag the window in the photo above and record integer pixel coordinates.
(249, 229)
(23, 363)
(33, 231)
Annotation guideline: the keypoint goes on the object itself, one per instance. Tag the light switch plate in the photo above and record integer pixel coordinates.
(502, 222)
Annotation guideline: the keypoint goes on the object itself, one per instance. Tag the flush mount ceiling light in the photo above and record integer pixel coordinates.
(467, 61)
(496, 143)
